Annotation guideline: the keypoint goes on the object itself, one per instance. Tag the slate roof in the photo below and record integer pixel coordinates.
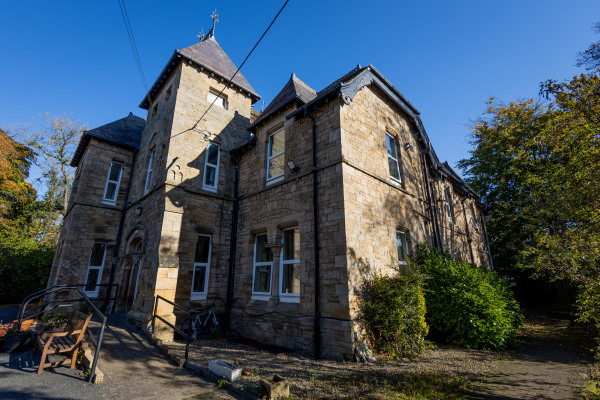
(457, 178)
(209, 55)
(125, 132)
(294, 90)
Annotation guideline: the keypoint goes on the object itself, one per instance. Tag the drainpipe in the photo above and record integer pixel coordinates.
(432, 209)
(487, 242)
(317, 320)
(115, 257)
(233, 245)
(468, 231)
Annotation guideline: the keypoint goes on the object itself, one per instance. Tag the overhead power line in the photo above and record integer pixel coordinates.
(236, 72)
(134, 49)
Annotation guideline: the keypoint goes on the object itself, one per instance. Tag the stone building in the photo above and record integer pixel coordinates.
(273, 218)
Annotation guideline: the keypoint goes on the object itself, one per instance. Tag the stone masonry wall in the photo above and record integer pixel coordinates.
(89, 218)
(375, 206)
(288, 203)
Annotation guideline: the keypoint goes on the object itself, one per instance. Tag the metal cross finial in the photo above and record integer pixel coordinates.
(215, 18)
(201, 35)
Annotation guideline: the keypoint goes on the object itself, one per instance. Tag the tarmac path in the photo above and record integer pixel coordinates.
(133, 369)
(549, 364)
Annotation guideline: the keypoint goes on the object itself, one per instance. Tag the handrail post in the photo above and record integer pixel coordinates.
(97, 352)
(154, 314)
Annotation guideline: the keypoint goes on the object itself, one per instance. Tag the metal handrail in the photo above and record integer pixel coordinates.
(83, 297)
(190, 312)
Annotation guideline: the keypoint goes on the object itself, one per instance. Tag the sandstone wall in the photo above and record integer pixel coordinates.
(271, 208)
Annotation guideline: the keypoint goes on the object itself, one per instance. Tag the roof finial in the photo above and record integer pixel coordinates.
(201, 35)
(215, 18)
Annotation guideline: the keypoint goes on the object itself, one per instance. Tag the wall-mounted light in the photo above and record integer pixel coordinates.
(138, 210)
(408, 147)
(292, 166)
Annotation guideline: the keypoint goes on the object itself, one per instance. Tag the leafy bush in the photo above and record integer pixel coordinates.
(468, 305)
(393, 312)
(55, 317)
(24, 267)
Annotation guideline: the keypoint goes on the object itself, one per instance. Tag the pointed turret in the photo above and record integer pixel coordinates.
(208, 55)
(294, 91)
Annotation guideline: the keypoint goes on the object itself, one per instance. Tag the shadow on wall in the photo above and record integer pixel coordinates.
(200, 229)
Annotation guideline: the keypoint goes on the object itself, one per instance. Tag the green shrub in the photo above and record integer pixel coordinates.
(55, 317)
(392, 309)
(468, 305)
(24, 267)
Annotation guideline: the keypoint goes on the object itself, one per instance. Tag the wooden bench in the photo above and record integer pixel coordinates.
(69, 339)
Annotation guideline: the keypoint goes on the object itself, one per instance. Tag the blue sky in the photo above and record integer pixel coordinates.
(446, 57)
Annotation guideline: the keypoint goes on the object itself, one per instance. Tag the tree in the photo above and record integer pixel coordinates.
(537, 165)
(17, 197)
(55, 141)
(590, 58)
(25, 261)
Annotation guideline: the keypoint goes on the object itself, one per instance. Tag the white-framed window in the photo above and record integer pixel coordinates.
(401, 247)
(473, 219)
(211, 167)
(94, 271)
(263, 264)
(448, 206)
(219, 100)
(275, 153)
(113, 181)
(148, 185)
(201, 267)
(289, 271)
(393, 163)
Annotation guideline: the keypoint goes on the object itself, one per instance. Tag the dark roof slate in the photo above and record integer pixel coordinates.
(209, 55)
(294, 90)
(125, 132)
(445, 166)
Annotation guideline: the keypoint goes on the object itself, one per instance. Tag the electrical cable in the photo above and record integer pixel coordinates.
(236, 72)
(134, 49)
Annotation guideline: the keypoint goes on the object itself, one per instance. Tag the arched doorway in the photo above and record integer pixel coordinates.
(130, 279)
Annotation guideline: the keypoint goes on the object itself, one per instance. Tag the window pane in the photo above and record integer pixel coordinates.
(291, 244)
(291, 278)
(115, 171)
(220, 101)
(90, 284)
(111, 189)
(262, 278)
(391, 146)
(277, 142)
(202, 249)
(394, 170)
(276, 166)
(209, 176)
(263, 254)
(401, 245)
(213, 154)
(199, 278)
(97, 254)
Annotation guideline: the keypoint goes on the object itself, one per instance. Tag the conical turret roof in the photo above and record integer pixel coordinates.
(208, 55)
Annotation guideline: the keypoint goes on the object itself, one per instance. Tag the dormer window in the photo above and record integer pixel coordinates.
(217, 99)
